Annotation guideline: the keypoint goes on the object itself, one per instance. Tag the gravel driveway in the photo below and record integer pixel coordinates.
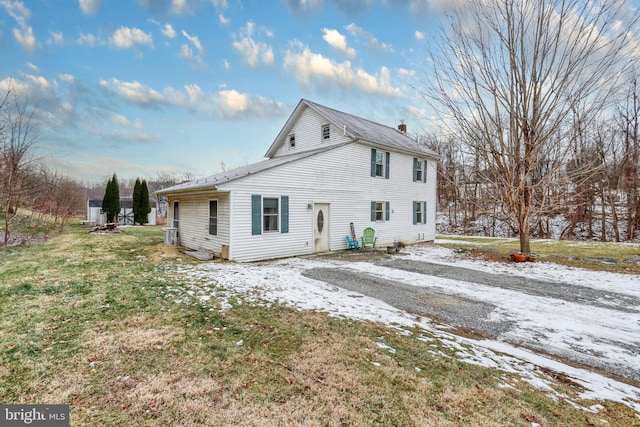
(478, 315)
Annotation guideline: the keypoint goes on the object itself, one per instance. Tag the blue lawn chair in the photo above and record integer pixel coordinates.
(353, 244)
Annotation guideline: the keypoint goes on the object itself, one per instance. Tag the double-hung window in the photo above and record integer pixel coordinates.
(380, 163)
(419, 213)
(176, 214)
(379, 211)
(419, 170)
(270, 214)
(213, 217)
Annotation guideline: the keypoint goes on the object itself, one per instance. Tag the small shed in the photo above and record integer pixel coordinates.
(125, 217)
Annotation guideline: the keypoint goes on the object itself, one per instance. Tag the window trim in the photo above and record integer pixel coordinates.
(175, 218)
(419, 208)
(257, 214)
(382, 214)
(385, 157)
(380, 164)
(214, 217)
(265, 215)
(419, 167)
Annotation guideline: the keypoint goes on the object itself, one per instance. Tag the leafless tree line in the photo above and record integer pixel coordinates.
(590, 193)
(25, 182)
(529, 94)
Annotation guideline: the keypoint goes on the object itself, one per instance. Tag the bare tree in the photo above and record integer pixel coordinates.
(628, 118)
(506, 76)
(17, 142)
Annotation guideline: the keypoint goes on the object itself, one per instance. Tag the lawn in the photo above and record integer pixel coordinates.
(591, 255)
(85, 320)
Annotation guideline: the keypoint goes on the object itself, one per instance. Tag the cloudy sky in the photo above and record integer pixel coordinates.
(137, 87)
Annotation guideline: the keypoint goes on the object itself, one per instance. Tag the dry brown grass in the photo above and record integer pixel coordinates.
(98, 333)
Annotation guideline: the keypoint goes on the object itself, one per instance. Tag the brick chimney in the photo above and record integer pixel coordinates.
(402, 128)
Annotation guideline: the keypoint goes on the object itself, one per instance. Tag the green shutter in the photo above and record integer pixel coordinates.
(373, 162)
(284, 220)
(415, 169)
(424, 212)
(424, 172)
(415, 213)
(386, 211)
(386, 165)
(256, 214)
(373, 211)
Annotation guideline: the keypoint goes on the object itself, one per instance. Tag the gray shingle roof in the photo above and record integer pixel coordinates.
(237, 173)
(354, 126)
(361, 129)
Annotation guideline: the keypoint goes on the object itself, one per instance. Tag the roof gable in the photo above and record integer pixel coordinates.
(357, 128)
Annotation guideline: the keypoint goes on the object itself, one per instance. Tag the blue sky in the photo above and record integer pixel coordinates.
(137, 87)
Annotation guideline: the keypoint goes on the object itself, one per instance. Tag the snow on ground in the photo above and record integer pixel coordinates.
(580, 328)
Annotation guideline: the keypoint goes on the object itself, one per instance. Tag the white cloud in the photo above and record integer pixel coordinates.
(24, 34)
(194, 40)
(253, 53)
(338, 41)
(17, 11)
(25, 38)
(33, 68)
(134, 92)
(55, 38)
(368, 38)
(125, 38)
(233, 104)
(419, 35)
(304, 7)
(219, 4)
(89, 7)
(168, 31)
(309, 68)
(179, 7)
(68, 78)
(406, 73)
(88, 39)
(225, 103)
(223, 20)
(186, 52)
(119, 120)
(50, 112)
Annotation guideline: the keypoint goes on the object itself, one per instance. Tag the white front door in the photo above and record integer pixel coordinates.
(321, 227)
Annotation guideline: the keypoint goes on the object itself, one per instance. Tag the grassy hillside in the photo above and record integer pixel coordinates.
(84, 320)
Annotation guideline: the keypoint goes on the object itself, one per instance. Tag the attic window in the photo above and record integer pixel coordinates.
(292, 140)
(325, 132)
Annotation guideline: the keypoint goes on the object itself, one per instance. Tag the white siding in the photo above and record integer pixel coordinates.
(308, 132)
(341, 177)
(193, 228)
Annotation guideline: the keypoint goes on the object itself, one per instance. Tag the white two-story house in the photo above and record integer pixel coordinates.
(325, 170)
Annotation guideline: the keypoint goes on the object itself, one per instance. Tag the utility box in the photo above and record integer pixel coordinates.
(225, 252)
(170, 236)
